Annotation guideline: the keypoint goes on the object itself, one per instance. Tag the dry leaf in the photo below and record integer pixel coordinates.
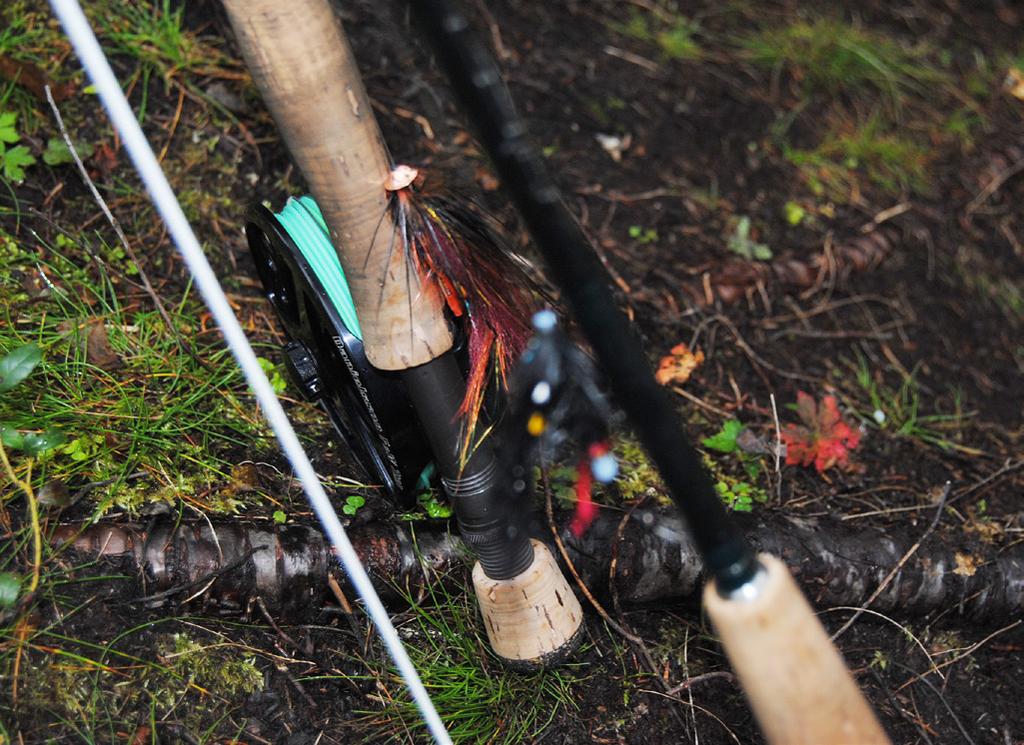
(245, 477)
(98, 350)
(105, 160)
(54, 494)
(614, 145)
(988, 531)
(678, 365)
(1014, 83)
(966, 565)
(33, 79)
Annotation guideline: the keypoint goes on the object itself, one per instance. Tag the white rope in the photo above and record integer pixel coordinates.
(121, 116)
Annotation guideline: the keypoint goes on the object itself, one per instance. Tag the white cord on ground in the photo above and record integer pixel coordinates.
(121, 116)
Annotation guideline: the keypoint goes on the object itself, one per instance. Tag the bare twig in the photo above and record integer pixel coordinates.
(994, 185)
(346, 607)
(549, 509)
(685, 685)
(270, 619)
(778, 448)
(885, 215)
(966, 653)
(146, 284)
(909, 634)
(899, 565)
(700, 402)
(1008, 467)
(938, 693)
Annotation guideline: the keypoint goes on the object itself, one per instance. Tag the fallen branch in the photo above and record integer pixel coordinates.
(289, 566)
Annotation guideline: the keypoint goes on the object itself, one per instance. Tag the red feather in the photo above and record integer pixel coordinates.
(457, 250)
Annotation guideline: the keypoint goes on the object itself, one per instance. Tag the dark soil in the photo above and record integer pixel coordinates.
(940, 302)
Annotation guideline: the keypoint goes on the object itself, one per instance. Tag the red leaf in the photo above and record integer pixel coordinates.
(824, 439)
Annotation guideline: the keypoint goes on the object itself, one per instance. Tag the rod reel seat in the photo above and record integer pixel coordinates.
(369, 408)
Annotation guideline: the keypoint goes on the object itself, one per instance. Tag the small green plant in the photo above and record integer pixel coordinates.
(794, 213)
(637, 475)
(643, 236)
(57, 152)
(84, 448)
(724, 441)
(280, 517)
(742, 244)
(277, 381)
(739, 495)
(210, 666)
(10, 588)
(434, 509)
(963, 124)
(352, 504)
(15, 367)
(14, 159)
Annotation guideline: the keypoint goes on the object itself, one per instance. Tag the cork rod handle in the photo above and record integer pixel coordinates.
(797, 684)
(303, 66)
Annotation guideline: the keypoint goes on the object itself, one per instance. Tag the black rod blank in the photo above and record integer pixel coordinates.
(475, 77)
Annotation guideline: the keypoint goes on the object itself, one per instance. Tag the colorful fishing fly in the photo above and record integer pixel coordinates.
(458, 250)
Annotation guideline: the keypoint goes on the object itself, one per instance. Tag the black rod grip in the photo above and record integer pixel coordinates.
(476, 488)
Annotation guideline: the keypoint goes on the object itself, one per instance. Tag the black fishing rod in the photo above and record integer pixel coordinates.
(796, 681)
(475, 77)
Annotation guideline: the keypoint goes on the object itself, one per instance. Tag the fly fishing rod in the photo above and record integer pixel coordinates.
(417, 274)
(795, 679)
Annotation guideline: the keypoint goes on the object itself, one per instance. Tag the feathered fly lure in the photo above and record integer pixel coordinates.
(555, 406)
(457, 249)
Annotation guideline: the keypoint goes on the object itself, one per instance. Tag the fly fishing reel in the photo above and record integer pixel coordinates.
(324, 355)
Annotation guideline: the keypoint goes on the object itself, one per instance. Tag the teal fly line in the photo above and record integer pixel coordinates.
(304, 222)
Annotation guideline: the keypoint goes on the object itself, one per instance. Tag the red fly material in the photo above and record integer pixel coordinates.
(586, 510)
(456, 250)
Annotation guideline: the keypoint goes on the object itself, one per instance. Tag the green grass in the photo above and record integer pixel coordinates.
(153, 34)
(179, 415)
(26, 33)
(674, 36)
(478, 699)
(899, 409)
(149, 35)
(830, 57)
(872, 150)
(841, 71)
(98, 691)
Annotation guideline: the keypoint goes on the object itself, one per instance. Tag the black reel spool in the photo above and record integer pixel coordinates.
(368, 407)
